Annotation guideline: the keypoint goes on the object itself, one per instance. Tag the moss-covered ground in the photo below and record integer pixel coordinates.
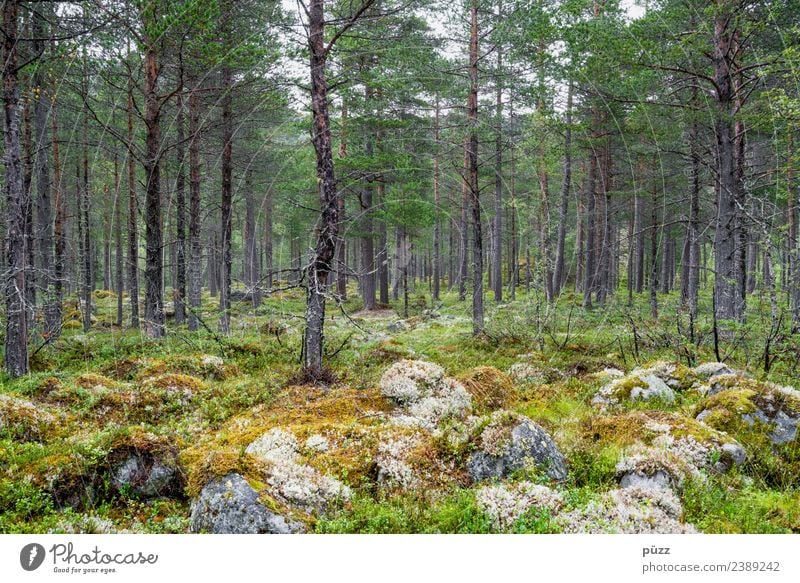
(200, 399)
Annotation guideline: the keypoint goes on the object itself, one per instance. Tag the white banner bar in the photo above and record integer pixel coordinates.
(415, 558)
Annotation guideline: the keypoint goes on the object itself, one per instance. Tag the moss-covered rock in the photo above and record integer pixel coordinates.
(643, 386)
(739, 405)
(512, 442)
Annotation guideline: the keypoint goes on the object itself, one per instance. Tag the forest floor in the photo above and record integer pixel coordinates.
(113, 432)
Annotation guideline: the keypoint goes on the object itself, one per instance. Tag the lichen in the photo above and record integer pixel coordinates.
(629, 511)
(506, 503)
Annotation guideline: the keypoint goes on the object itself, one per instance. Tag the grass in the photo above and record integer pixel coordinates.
(80, 373)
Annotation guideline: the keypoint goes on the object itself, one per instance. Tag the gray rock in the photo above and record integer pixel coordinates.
(229, 505)
(397, 326)
(784, 426)
(656, 388)
(145, 476)
(646, 386)
(527, 443)
(659, 479)
(709, 370)
(735, 453)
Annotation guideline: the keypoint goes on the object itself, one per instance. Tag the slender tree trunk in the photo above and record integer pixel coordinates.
(85, 211)
(227, 196)
(251, 270)
(791, 219)
(591, 235)
(53, 313)
(30, 236)
(133, 216)
(654, 254)
(44, 210)
(154, 267)
(119, 283)
(16, 338)
(497, 230)
(268, 240)
(319, 267)
(464, 229)
(437, 200)
(180, 204)
(383, 253)
(639, 234)
(726, 271)
(563, 209)
(472, 155)
(195, 226)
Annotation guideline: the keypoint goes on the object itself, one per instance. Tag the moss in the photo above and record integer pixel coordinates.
(490, 388)
(643, 426)
(622, 387)
(175, 382)
(90, 380)
(22, 420)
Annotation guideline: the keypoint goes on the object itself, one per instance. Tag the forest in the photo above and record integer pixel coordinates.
(400, 266)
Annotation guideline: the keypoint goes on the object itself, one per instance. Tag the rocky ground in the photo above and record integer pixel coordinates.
(191, 441)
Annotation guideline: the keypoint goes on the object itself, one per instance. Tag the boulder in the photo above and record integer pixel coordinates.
(752, 406)
(145, 476)
(229, 505)
(512, 442)
(633, 387)
(709, 370)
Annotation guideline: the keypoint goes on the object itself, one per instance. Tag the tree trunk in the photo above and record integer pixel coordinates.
(16, 340)
(85, 209)
(133, 216)
(497, 230)
(154, 268)
(53, 311)
(591, 233)
(195, 234)
(563, 209)
(319, 267)
(472, 155)
(44, 210)
(180, 203)
(437, 201)
(119, 283)
(726, 270)
(227, 195)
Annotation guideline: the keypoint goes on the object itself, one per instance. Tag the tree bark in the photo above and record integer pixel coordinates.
(154, 268)
(563, 209)
(472, 156)
(16, 340)
(227, 195)
(180, 210)
(437, 201)
(195, 226)
(319, 267)
(726, 270)
(133, 216)
(497, 230)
